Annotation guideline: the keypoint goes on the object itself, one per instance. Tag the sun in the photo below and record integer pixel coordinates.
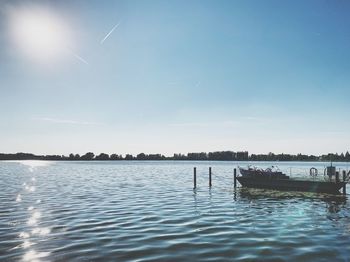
(39, 34)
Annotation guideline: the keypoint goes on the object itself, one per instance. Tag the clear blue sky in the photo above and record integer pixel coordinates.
(177, 76)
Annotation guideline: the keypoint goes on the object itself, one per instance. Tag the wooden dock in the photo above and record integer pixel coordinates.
(288, 184)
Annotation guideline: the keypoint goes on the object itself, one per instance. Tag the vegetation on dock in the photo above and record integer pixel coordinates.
(202, 156)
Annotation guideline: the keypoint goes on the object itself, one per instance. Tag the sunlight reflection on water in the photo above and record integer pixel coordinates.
(27, 244)
(24, 235)
(34, 215)
(32, 221)
(141, 211)
(33, 256)
(42, 231)
(19, 198)
(34, 163)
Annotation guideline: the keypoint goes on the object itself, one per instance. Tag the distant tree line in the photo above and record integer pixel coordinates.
(211, 156)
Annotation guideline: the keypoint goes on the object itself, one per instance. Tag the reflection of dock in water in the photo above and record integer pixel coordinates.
(334, 203)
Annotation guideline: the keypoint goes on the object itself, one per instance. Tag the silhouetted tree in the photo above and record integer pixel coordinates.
(179, 157)
(129, 157)
(88, 156)
(102, 156)
(115, 157)
(216, 156)
(52, 157)
(141, 156)
(222, 156)
(197, 156)
(242, 156)
(347, 156)
(155, 157)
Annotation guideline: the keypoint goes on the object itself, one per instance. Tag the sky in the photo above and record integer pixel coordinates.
(174, 76)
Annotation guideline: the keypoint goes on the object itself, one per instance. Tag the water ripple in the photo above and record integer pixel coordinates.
(146, 211)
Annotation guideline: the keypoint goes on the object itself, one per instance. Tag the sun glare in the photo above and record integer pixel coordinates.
(40, 34)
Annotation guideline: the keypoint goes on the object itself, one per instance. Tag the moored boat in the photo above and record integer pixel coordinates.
(270, 172)
(275, 179)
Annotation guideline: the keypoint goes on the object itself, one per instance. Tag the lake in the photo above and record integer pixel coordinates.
(148, 211)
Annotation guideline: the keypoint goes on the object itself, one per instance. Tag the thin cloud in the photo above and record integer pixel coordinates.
(224, 123)
(65, 121)
(189, 124)
(205, 124)
(253, 118)
(109, 33)
(334, 132)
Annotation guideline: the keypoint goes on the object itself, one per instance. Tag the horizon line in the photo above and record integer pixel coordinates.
(183, 154)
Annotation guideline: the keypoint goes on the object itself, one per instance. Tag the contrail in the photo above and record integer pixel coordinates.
(77, 56)
(80, 58)
(110, 32)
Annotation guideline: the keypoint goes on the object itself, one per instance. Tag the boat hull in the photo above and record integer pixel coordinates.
(292, 185)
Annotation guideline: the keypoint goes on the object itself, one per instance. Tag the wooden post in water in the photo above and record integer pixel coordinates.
(235, 178)
(344, 178)
(194, 178)
(209, 176)
(337, 176)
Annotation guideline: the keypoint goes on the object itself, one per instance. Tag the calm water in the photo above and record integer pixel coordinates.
(144, 211)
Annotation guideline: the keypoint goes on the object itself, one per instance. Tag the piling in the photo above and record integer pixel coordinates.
(344, 178)
(209, 176)
(337, 177)
(194, 178)
(235, 177)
